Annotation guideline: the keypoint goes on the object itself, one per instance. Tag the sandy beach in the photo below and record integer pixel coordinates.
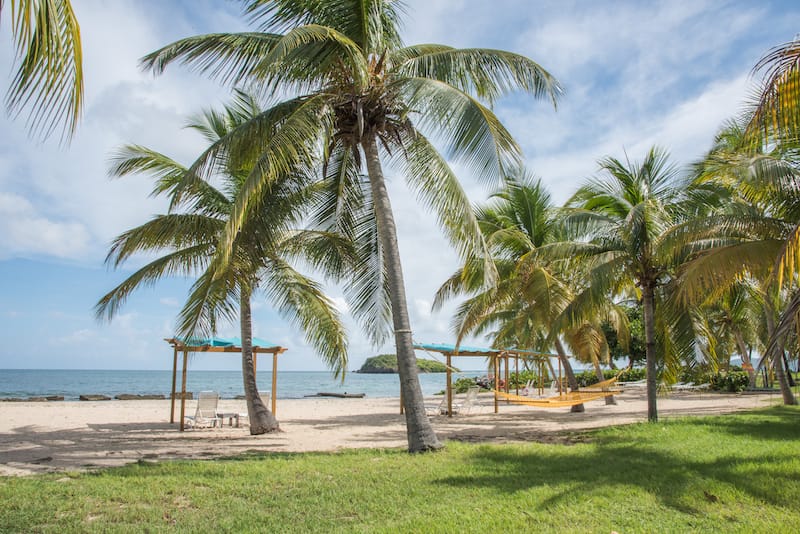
(38, 437)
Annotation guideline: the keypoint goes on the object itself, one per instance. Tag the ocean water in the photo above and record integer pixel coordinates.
(291, 384)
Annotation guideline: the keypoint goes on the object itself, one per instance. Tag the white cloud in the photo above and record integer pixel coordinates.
(169, 302)
(636, 74)
(24, 231)
(78, 337)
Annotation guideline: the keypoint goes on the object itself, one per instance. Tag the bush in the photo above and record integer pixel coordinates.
(461, 385)
(732, 381)
(518, 380)
(589, 377)
(633, 374)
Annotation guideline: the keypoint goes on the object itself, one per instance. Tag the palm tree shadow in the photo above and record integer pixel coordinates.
(611, 462)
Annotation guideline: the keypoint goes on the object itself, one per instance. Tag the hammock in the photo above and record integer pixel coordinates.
(589, 393)
(565, 399)
(604, 385)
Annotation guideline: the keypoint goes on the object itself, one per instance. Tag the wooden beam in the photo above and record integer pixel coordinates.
(496, 381)
(174, 376)
(183, 389)
(274, 380)
(449, 372)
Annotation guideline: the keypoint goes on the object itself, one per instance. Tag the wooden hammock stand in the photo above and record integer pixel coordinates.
(499, 367)
(597, 391)
(178, 345)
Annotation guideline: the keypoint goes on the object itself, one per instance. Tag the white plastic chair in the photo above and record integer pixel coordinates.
(206, 414)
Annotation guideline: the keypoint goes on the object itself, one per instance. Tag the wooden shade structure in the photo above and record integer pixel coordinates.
(185, 346)
(498, 362)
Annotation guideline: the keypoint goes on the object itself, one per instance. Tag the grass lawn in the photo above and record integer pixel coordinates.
(738, 473)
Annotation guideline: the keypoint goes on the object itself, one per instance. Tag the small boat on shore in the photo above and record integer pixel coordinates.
(339, 395)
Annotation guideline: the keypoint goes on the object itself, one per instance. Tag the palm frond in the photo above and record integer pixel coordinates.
(49, 81)
(300, 300)
(181, 262)
(471, 131)
(486, 73)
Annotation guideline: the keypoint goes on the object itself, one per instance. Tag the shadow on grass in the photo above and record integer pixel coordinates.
(775, 423)
(613, 461)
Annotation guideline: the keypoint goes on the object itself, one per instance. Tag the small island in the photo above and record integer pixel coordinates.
(387, 363)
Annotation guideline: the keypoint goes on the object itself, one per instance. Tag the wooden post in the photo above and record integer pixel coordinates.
(255, 362)
(449, 374)
(274, 378)
(516, 370)
(183, 389)
(496, 373)
(559, 375)
(506, 375)
(402, 407)
(174, 378)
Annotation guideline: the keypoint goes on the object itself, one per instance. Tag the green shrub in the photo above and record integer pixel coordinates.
(633, 374)
(461, 385)
(589, 377)
(732, 381)
(518, 380)
(586, 378)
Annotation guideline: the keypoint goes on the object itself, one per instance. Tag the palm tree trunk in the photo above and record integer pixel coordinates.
(788, 370)
(648, 313)
(598, 371)
(420, 434)
(261, 419)
(571, 380)
(746, 363)
(778, 348)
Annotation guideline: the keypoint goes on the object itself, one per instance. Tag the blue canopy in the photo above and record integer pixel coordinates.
(222, 342)
(446, 348)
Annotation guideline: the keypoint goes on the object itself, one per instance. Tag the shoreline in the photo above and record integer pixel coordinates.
(40, 437)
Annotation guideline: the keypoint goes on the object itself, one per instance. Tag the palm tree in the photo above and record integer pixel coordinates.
(775, 114)
(625, 215)
(349, 92)
(260, 255)
(49, 81)
(734, 317)
(754, 236)
(525, 301)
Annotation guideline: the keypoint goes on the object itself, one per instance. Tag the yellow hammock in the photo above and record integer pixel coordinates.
(589, 393)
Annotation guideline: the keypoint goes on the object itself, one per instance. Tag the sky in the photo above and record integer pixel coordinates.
(636, 74)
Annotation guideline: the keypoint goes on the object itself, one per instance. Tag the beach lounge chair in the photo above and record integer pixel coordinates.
(635, 384)
(463, 407)
(206, 414)
(690, 386)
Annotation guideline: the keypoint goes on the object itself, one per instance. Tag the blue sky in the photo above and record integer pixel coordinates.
(636, 74)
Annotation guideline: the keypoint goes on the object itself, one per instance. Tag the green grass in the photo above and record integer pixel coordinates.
(738, 473)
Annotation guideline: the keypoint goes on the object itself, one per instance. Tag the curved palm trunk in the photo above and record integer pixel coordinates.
(261, 419)
(571, 380)
(598, 371)
(421, 436)
(778, 348)
(648, 303)
(751, 373)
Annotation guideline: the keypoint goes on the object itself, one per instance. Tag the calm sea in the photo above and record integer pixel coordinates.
(291, 384)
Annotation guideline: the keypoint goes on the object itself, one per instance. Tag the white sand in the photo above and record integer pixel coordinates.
(39, 437)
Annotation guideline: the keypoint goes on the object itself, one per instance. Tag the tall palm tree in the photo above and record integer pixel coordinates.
(775, 114)
(754, 236)
(523, 304)
(625, 215)
(349, 92)
(49, 80)
(734, 316)
(191, 233)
